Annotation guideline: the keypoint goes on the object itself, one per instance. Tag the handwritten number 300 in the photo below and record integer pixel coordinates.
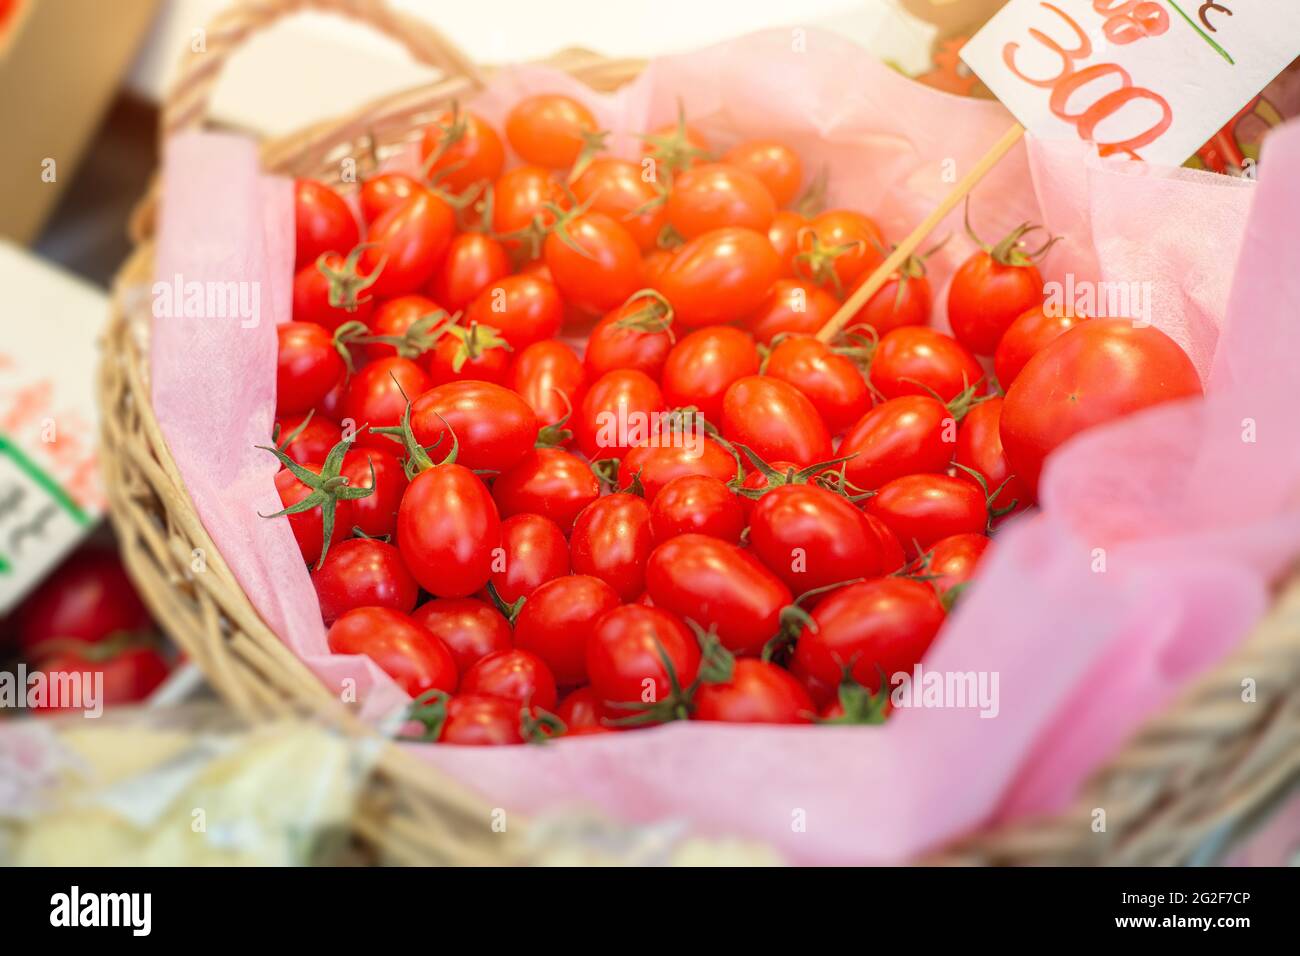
(1069, 81)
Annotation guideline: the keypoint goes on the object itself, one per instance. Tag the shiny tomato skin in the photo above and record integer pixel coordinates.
(534, 552)
(717, 584)
(897, 303)
(549, 376)
(862, 244)
(922, 509)
(615, 188)
(697, 504)
(623, 654)
(471, 629)
(88, 598)
(1098, 371)
(829, 380)
(758, 693)
(718, 277)
(471, 154)
(447, 530)
(775, 420)
(711, 196)
(375, 514)
(1028, 335)
(473, 262)
(902, 436)
(794, 306)
(549, 482)
(884, 625)
(811, 538)
(519, 198)
(979, 446)
(307, 366)
(557, 621)
(383, 191)
(410, 241)
(773, 164)
(394, 318)
(548, 129)
(482, 358)
(953, 560)
(376, 397)
(783, 233)
(478, 720)
(314, 442)
(612, 540)
(892, 556)
(494, 428)
(604, 273)
(311, 292)
(308, 526)
(912, 359)
(129, 675)
(701, 367)
(583, 713)
(617, 406)
(322, 222)
(406, 651)
(361, 572)
(636, 335)
(515, 675)
(986, 297)
(656, 465)
(523, 308)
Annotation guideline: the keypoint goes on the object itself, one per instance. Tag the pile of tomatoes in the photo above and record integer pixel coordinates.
(703, 511)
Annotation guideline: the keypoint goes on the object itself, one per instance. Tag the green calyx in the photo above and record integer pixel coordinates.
(417, 457)
(674, 151)
(475, 339)
(345, 283)
(651, 318)
(717, 665)
(1011, 250)
(860, 705)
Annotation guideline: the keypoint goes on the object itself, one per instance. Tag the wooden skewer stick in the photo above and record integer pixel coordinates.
(835, 325)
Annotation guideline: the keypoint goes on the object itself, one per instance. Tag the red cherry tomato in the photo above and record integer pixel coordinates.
(447, 530)
(713, 196)
(522, 308)
(880, 626)
(583, 713)
(775, 421)
(548, 482)
(477, 720)
(612, 540)
(1025, 337)
(594, 261)
(89, 598)
(469, 353)
(515, 675)
(918, 361)
(1096, 372)
(902, 436)
(313, 440)
(410, 241)
(308, 526)
(549, 129)
(129, 675)
(307, 366)
(703, 365)
(775, 165)
(460, 149)
(470, 628)
(395, 318)
(811, 538)
(988, 292)
(618, 412)
(637, 335)
(404, 650)
(473, 262)
(626, 654)
(322, 222)
(376, 397)
(557, 621)
(534, 551)
(615, 187)
(383, 191)
(829, 380)
(837, 249)
(892, 557)
(312, 288)
(758, 693)
(783, 233)
(717, 584)
(953, 560)
(697, 504)
(519, 207)
(493, 427)
(899, 302)
(375, 514)
(979, 447)
(550, 378)
(791, 305)
(922, 509)
(720, 276)
(654, 466)
(362, 572)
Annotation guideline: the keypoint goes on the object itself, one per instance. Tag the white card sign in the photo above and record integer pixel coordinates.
(1151, 79)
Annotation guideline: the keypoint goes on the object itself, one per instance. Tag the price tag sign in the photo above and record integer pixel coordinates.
(1150, 79)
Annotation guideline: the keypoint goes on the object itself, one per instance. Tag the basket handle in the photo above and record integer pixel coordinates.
(185, 106)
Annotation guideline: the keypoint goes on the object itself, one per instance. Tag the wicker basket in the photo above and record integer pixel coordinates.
(1206, 767)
